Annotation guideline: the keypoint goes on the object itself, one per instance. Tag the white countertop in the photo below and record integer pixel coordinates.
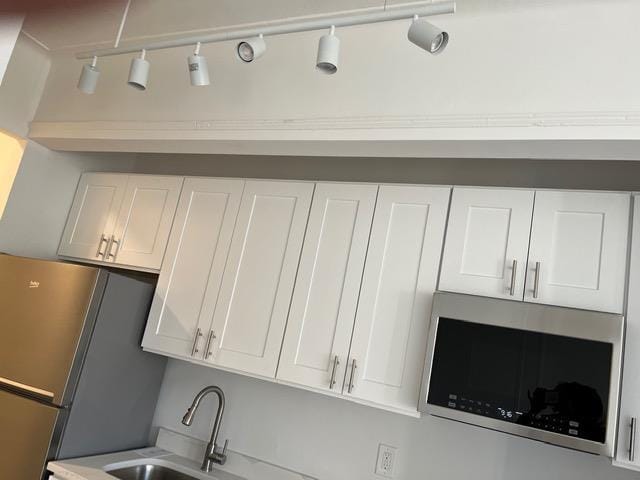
(175, 451)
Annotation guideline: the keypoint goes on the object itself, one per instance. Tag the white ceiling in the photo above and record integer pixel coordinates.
(97, 24)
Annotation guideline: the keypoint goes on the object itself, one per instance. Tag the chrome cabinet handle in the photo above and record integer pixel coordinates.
(207, 347)
(332, 382)
(514, 272)
(353, 370)
(536, 281)
(103, 239)
(194, 348)
(632, 440)
(117, 242)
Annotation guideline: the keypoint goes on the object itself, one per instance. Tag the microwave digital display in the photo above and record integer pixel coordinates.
(539, 380)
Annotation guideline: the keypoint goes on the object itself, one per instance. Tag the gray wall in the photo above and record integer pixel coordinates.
(333, 439)
(574, 174)
(322, 436)
(325, 437)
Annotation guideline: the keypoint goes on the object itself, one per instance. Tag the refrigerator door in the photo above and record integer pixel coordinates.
(28, 428)
(46, 315)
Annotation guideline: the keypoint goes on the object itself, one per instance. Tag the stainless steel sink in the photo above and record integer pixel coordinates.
(149, 472)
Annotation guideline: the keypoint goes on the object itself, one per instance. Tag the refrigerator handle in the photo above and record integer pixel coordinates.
(26, 390)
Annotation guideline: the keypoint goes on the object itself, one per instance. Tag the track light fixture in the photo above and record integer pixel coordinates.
(139, 72)
(427, 36)
(198, 70)
(252, 45)
(252, 49)
(89, 77)
(328, 52)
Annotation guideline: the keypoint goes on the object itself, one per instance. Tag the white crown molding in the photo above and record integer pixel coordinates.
(383, 122)
(423, 136)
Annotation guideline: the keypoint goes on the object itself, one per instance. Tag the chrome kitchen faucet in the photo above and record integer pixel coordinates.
(212, 454)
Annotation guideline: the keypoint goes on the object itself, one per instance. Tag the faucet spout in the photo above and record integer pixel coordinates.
(212, 454)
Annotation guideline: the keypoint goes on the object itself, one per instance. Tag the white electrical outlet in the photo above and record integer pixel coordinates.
(386, 460)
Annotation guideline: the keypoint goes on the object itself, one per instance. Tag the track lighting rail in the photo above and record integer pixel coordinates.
(422, 9)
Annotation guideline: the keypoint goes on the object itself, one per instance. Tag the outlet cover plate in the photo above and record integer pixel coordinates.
(386, 460)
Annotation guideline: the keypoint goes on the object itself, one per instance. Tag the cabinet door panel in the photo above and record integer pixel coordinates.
(92, 215)
(326, 293)
(390, 333)
(251, 313)
(194, 265)
(580, 241)
(145, 219)
(630, 395)
(487, 234)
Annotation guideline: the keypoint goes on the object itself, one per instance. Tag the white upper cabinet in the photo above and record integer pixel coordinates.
(578, 252)
(487, 242)
(253, 303)
(330, 286)
(627, 453)
(93, 216)
(144, 222)
(390, 334)
(570, 249)
(121, 219)
(316, 342)
(191, 274)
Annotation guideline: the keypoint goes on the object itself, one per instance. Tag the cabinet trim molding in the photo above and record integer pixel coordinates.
(555, 135)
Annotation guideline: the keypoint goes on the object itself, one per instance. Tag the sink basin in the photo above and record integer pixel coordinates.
(149, 472)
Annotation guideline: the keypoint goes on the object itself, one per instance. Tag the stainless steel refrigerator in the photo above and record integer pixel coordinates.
(73, 378)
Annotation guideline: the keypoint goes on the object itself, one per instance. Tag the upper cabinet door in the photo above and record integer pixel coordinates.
(251, 311)
(487, 242)
(390, 333)
(628, 449)
(578, 252)
(192, 271)
(316, 343)
(144, 222)
(93, 216)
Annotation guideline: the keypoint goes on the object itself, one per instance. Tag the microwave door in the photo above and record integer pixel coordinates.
(44, 307)
(27, 431)
(548, 382)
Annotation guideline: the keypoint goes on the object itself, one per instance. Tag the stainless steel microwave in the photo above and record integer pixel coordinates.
(547, 373)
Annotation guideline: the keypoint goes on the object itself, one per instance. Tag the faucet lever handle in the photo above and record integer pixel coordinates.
(224, 449)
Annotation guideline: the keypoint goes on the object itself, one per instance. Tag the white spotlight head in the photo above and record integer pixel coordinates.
(328, 53)
(89, 77)
(250, 50)
(427, 36)
(198, 70)
(139, 72)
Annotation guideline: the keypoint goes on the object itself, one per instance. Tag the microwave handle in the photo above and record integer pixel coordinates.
(632, 439)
